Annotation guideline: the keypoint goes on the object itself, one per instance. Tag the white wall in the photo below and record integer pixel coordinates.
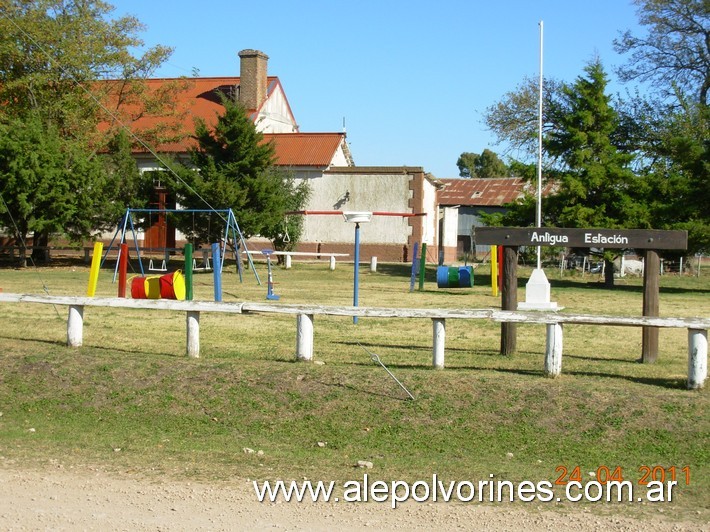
(274, 116)
(430, 206)
(450, 222)
(380, 192)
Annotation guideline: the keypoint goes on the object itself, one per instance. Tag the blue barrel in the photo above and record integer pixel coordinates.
(454, 276)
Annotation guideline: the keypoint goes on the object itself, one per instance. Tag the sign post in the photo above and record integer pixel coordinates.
(651, 240)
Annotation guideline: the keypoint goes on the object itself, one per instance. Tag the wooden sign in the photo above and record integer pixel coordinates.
(581, 238)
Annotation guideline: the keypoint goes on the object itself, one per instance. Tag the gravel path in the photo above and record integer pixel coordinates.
(94, 500)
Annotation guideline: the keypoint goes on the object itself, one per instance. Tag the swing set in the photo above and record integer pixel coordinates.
(231, 229)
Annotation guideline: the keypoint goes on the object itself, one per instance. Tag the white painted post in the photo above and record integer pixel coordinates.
(373, 264)
(553, 350)
(193, 334)
(332, 263)
(304, 337)
(288, 262)
(439, 342)
(75, 326)
(697, 358)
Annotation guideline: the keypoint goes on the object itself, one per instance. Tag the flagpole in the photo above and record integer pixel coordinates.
(538, 212)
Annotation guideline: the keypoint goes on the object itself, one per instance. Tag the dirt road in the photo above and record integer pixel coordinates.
(68, 499)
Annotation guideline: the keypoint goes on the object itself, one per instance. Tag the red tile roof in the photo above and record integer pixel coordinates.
(305, 149)
(200, 100)
(493, 191)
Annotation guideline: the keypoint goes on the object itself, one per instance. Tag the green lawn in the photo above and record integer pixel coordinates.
(130, 400)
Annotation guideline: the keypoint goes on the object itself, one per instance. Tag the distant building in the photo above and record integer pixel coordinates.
(463, 201)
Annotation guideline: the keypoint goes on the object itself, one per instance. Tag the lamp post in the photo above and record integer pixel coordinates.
(356, 217)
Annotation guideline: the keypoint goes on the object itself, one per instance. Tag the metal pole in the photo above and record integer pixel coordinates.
(356, 269)
(538, 213)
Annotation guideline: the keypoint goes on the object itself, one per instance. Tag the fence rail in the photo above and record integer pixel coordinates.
(697, 327)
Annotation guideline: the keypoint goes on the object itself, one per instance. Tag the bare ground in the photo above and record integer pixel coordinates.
(92, 499)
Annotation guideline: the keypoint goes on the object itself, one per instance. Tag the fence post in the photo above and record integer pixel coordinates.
(509, 299)
(649, 336)
(193, 334)
(439, 342)
(697, 358)
(553, 350)
(75, 326)
(304, 337)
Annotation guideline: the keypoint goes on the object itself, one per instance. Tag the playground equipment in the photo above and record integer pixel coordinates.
(231, 230)
(168, 286)
(270, 279)
(358, 217)
(454, 277)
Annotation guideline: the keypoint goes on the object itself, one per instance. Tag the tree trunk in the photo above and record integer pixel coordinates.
(608, 273)
(40, 239)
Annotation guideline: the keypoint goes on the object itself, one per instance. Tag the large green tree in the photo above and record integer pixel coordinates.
(595, 183)
(53, 53)
(233, 167)
(670, 127)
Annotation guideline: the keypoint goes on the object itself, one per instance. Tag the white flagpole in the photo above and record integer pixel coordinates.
(538, 214)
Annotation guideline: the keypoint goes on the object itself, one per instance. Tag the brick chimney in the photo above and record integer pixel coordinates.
(252, 78)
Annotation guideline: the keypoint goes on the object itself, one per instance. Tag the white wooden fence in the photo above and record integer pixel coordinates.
(697, 327)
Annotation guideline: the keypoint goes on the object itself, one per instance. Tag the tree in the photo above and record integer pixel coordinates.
(233, 167)
(676, 51)
(487, 164)
(672, 133)
(515, 121)
(679, 175)
(52, 54)
(41, 179)
(597, 187)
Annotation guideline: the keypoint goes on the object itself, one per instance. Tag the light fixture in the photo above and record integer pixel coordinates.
(357, 217)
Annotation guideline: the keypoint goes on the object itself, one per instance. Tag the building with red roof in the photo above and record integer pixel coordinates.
(323, 159)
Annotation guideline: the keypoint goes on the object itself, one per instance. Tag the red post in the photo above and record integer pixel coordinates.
(122, 270)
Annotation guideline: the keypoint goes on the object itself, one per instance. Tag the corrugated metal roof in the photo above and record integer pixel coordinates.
(305, 149)
(492, 191)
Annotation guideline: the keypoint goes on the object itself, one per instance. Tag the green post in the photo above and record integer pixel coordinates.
(188, 272)
(422, 267)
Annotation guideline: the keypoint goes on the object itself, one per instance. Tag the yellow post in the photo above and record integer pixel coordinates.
(94, 272)
(494, 271)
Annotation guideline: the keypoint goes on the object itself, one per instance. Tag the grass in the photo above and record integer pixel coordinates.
(129, 400)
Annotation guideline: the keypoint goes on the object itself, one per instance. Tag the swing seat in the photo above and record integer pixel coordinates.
(152, 268)
(204, 268)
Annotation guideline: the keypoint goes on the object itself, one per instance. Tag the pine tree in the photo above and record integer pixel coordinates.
(233, 167)
(597, 186)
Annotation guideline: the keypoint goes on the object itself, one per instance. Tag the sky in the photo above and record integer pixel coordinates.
(409, 80)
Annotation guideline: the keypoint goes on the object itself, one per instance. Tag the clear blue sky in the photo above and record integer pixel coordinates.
(411, 78)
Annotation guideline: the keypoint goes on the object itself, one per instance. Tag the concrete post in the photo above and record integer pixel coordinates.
(697, 358)
(439, 342)
(553, 350)
(193, 334)
(332, 263)
(75, 326)
(373, 264)
(288, 262)
(304, 337)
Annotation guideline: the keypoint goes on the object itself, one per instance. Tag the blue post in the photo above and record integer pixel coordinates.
(217, 272)
(356, 267)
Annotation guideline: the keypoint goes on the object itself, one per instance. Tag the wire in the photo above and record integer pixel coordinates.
(376, 358)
